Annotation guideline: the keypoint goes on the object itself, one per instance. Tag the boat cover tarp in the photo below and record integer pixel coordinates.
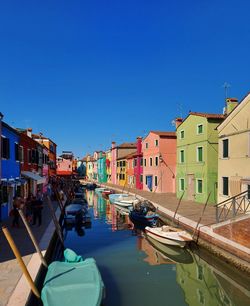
(75, 283)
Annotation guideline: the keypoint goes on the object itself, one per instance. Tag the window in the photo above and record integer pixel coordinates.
(150, 161)
(141, 178)
(225, 185)
(117, 164)
(141, 161)
(5, 148)
(199, 186)
(146, 180)
(181, 184)
(21, 154)
(200, 154)
(248, 192)
(225, 148)
(156, 161)
(29, 156)
(200, 129)
(16, 151)
(146, 145)
(145, 162)
(156, 142)
(134, 162)
(124, 163)
(182, 134)
(181, 156)
(156, 181)
(4, 195)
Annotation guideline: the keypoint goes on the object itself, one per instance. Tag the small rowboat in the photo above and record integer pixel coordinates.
(77, 283)
(169, 235)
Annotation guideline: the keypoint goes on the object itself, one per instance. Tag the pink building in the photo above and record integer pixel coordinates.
(138, 167)
(159, 162)
(64, 167)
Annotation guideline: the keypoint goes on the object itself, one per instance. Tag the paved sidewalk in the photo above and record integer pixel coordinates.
(232, 236)
(10, 272)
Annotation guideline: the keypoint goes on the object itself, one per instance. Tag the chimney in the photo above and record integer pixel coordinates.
(178, 121)
(113, 144)
(139, 144)
(231, 103)
(29, 132)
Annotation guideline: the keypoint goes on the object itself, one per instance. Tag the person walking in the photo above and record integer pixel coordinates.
(37, 207)
(15, 213)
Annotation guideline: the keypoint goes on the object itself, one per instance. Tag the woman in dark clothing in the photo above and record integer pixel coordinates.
(15, 213)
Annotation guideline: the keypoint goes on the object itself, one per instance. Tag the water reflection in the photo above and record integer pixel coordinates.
(163, 275)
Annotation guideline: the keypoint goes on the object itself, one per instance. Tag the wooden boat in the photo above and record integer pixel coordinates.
(76, 213)
(143, 220)
(107, 191)
(116, 196)
(169, 235)
(174, 253)
(77, 283)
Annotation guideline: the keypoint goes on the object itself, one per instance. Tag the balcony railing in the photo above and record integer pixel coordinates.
(230, 208)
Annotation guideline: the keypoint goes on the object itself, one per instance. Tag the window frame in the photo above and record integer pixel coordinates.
(224, 178)
(182, 155)
(156, 161)
(181, 179)
(155, 180)
(150, 161)
(156, 142)
(182, 134)
(197, 185)
(197, 154)
(226, 140)
(197, 129)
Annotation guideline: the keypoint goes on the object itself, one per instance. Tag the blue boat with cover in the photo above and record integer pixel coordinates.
(74, 281)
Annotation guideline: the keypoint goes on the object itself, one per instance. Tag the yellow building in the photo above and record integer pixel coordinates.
(234, 151)
(121, 171)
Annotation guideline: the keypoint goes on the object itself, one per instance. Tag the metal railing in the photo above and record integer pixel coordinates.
(232, 207)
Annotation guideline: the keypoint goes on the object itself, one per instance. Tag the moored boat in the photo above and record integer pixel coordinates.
(76, 282)
(116, 196)
(143, 219)
(169, 235)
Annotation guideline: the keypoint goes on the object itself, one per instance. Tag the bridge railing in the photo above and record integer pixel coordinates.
(230, 208)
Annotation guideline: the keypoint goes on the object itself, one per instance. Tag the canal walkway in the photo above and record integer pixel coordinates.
(229, 239)
(10, 272)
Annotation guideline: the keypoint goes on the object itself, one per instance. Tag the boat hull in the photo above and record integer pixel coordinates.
(165, 240)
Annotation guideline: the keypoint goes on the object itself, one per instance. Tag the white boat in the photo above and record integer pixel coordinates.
(99, 190)
(169, 235)
(117, 196)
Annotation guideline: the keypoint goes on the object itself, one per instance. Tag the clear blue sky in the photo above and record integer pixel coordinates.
(89, 72)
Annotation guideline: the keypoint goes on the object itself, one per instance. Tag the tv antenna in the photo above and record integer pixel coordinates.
(226, 88)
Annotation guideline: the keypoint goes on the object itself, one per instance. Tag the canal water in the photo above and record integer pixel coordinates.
(139, 272)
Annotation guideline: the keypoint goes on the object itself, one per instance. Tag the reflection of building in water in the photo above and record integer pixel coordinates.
(202, 286)
(154, 257)
(89, 197)
(119, 221)
(95, 205)
(108, 212)
(101, 207)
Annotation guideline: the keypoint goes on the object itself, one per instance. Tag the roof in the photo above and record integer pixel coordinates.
(208, 116)
(38, 136)
(127, 145)
(160, 133)
(10, 127)
(204, 115)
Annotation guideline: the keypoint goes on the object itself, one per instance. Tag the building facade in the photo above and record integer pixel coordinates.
(197, 157)
(234, 151)
(159, 162)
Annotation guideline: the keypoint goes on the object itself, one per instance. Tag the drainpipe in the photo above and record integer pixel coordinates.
(1, 118)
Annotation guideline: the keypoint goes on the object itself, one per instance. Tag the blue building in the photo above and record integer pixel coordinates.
(10, 169)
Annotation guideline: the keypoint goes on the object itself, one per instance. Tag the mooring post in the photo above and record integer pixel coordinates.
(32, 237)
(20, 260)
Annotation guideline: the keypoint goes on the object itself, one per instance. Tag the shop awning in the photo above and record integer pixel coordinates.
(39, 179)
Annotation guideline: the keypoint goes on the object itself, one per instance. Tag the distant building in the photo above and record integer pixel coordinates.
(64, 167)
(102, 167)
(108, 165)
(48, 143)
(119, 152)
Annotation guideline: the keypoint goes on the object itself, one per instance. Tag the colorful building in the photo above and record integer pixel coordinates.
(81, 167)
(138, 164)
(130, 161)
(51, 146)
(108, 165)
(10, 166)
(159, 158)
(1, 118)
(234, 150)
(89, 167)
(31, 163)
(101, 167)
(197, 157)
(95, 168)
(121, 171)
(118, 153)
(64, 167)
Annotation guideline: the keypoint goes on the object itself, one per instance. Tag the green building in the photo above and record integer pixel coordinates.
(101, 167)
(197, 157)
